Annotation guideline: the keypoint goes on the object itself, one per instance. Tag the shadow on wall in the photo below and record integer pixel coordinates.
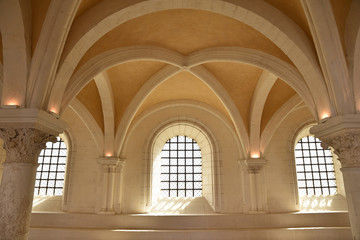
(47, 204)
(181, 205)
(323, 203)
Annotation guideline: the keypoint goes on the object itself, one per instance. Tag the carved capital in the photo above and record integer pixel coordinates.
(24, 145)
(346, 146)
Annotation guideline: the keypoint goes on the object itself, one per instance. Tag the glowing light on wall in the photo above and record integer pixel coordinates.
(54, 110)
(11, 104)
(108, 155)
(325, 115)
(255, 155)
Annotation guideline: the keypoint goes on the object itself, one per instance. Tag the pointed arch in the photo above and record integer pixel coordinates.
(262, 89)
(89, 122)
(110, 58)
(15, 19)
(46, 58)
(262, 60)
(288, 36)
(265, 61)
(192, 64)
(107, 102)
(276, 120)
(352, 41)
(162, 76)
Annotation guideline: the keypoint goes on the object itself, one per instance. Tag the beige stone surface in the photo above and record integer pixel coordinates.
(39, 9)
(91, 99)
(245, 79)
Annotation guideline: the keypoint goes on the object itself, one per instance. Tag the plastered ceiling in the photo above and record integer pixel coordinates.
(186, 31)
(39, 9)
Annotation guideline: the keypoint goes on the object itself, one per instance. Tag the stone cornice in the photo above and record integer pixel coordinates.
(110, 164)
(253, 165)
(342, 133)
(108, 161)
(31, 118)
(336, 126)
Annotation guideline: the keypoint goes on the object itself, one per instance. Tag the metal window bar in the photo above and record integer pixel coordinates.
(314, 168)
(181, 168)
(50, 173)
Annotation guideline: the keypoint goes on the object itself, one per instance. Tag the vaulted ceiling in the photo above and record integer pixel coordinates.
(238, 62)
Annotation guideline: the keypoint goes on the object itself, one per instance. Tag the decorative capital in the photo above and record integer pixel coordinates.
(253, 165)
(342, 133)
(346, 146)
(24, 145)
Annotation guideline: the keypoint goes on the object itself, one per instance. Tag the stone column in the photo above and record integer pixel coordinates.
(342, 133)
(257, 191)
(23, 146)
(109, 168)
(347, 148)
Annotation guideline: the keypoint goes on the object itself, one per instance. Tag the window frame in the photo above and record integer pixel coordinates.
(170, 162)
(49, 158)
(316, 166)
(210, 161)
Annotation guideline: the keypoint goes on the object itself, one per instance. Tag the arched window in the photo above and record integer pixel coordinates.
(314, 168)
(181, 168)
(50, 174)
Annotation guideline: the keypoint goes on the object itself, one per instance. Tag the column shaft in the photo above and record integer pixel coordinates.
(111, 179)
(17, 192)
(351, 182)
(22, 146)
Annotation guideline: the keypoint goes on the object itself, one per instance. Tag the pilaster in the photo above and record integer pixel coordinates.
(256, 188)
(109, 168)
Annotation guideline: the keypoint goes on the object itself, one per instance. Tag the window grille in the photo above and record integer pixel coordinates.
(50, 174)
(181, 168)
(314, 168)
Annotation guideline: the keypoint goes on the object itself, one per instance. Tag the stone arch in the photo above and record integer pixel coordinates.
(1, 79)
(111, 58)
(90, 123)
(46, 56)
(162, 76)
(259, 15)
(276, 120)
(234, 54)
(352, 43)
(15, 32)
(356, 72)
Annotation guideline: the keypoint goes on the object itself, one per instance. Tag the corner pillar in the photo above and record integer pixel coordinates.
(343, 135)
(23, 146)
